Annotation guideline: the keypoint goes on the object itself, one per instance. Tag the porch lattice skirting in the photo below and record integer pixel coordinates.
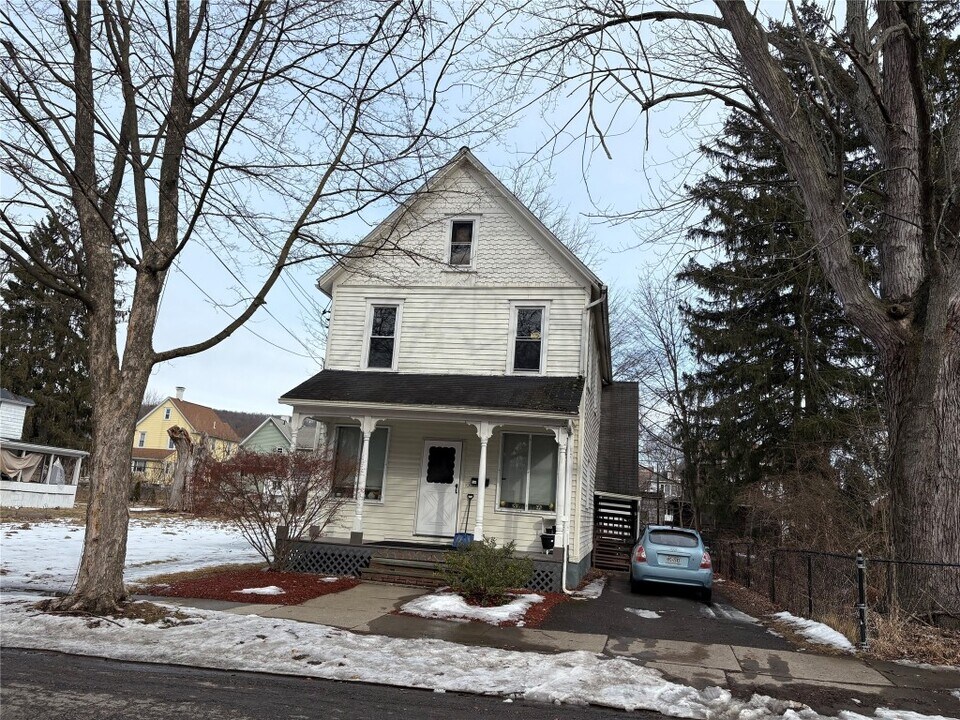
(327, 558)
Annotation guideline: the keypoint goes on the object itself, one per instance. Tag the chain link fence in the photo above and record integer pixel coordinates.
(842, 590)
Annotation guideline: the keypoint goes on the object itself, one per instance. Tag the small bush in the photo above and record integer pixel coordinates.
(483, 572)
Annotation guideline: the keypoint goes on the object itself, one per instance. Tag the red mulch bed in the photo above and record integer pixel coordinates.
(298, 587)
(538, 612)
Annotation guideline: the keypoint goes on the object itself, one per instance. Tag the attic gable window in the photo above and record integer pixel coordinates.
(461, 243)
(384, 322)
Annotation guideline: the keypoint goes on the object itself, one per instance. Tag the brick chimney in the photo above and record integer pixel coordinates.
(180, 390)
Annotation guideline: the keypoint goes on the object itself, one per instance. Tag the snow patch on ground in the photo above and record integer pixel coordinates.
(42, 558)
(924, 666)
(815, 631)
(250, 643)
(330, 579)
(268, 590)
(592, 591)
(645, 614)
(446, 605)
(956, 693)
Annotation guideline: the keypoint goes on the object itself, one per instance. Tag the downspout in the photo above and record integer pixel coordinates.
(585, 328)
(567, 480)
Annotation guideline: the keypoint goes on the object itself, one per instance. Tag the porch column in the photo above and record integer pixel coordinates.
(295, 421)
(76, 471)
(484, 431)
(562, 434)
(367, 426)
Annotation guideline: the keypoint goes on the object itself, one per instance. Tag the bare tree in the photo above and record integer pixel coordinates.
(231, 128)
(873, 72)
(261, 492)
(189, 453)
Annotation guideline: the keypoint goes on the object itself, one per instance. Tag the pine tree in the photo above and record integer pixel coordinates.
(43, 346)
(787, 386)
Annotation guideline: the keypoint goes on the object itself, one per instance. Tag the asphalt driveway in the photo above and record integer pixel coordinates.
(662, 615)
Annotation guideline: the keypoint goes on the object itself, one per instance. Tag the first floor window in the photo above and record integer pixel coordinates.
(347, 462)
(139, 466)
(528, 472)
(383, 336)
(170, 445)
(142, 439)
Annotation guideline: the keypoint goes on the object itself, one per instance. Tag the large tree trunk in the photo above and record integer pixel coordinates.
(188, 453)
(923, 401)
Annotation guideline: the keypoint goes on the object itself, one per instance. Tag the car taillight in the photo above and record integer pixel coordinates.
(705, 563)
(641, 554)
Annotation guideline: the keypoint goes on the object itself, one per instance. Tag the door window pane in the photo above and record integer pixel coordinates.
(441, 465)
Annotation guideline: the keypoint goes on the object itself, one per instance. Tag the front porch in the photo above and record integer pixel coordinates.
(402, 563)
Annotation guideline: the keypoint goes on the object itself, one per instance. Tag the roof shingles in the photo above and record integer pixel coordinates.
(494, 392)
(205, 420)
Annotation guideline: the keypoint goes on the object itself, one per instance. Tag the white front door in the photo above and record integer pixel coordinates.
(439, 485)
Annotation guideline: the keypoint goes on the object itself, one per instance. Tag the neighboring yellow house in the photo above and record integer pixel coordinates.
(153, 451)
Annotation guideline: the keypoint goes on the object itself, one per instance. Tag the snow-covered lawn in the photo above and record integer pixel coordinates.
(451, 606)
(45, 556)
(236, 642)
(815, 631)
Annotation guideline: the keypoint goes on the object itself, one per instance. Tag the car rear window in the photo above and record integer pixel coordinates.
(671, 537)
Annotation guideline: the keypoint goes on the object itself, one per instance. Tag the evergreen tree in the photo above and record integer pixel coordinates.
(786, 386)
(43, 345)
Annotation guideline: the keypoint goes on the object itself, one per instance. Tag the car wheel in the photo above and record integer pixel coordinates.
(707, 596)
(636, 586)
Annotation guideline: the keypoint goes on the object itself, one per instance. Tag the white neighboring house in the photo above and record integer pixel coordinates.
(33, 475)
(465, 342)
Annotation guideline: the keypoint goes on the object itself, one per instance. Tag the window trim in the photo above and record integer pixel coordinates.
(135, 462)
(142, 438)
(515, 306)
(525, 511)
(166, 413)
(475, 220)
(386, 462)
(170, 445)
(368, 328)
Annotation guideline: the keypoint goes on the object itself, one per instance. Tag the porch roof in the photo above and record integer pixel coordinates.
(537, 394)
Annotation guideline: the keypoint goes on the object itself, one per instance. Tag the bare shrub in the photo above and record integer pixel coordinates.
(483, 572)
(259, 492)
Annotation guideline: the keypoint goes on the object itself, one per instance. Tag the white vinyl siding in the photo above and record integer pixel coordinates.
(464, 331)
(394, 518)
(590, 439)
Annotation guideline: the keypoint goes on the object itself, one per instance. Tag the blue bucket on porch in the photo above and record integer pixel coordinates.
(462, 540)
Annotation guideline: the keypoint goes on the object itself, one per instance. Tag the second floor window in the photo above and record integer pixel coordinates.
(461, 243)
(166, 413)
(382, 350)
(142, 439)
(528, 339)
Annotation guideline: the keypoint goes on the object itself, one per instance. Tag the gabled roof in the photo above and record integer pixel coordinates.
(538, 230)
(10, 397)
(542, 394)
(305, 436)
(205, 420)
(619, 447)
(151, 453)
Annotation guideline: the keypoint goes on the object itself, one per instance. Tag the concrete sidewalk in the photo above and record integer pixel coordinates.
(824, 682)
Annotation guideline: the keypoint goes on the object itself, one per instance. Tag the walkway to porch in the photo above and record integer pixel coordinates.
(400, 562)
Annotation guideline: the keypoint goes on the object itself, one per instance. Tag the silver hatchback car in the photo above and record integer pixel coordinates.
(671, 556)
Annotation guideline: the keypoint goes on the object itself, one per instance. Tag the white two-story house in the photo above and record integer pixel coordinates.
(466, 355)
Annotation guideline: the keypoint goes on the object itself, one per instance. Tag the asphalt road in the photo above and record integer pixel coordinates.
(40, 685)
(680, 616)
